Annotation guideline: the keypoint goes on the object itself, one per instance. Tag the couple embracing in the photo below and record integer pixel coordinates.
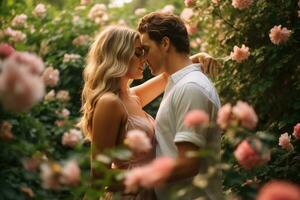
(111, 107)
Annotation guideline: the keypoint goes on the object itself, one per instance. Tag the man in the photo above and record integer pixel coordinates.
(165, 39)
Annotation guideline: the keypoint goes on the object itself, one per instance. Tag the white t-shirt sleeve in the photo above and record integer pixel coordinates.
(187, 98)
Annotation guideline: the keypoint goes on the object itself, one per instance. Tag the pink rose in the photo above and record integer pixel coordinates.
(81, 40)
(248, 157)
(279, 190)
(63, 95)
(50, 174)
(5, 131)
(59, 123)
(32, 62)
(297, 131)
(215, 1)
(285, 142)
(140, 12)
(98, 13)
(195, 118)
(245, 114)
(65, 113)
(21, 88)
(187, 14)
(15, 36)
(224, 116)
(50, 95)
(51, 76)
(196, 43)
(240, 54)
(279, 35)
(168, 9)
(191, 28)
(151, 175)
(31, 164)
(241, 4)
(138, 141)
(70, 174)
(6, 50)
(85, 2)
(71, 57)
(189, 3)
(19, 20)
(72, 138)
(160, 169)
(40, 10)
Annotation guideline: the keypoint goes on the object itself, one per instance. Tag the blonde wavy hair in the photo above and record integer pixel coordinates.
(107, 61)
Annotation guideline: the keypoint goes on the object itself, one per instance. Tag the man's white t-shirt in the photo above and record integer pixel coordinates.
(187, 89)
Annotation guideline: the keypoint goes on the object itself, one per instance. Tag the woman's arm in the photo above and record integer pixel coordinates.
(151, 89)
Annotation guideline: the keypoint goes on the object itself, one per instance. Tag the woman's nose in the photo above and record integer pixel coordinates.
(145, 64)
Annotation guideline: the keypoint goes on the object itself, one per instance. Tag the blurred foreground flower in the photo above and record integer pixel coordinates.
(21, 85)
(149, 176)
(53, 175)
(245, 114)
(70, 173)
(6, 50)
(195, 118)
(138, 141)
(224, 116)
(279, 190)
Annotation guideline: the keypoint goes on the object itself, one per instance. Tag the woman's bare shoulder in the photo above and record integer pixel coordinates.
(109, 102)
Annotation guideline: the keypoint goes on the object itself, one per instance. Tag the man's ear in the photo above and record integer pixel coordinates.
(165, 43)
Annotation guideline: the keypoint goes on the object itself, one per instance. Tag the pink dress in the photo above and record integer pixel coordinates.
(143, 124)
(147, 125)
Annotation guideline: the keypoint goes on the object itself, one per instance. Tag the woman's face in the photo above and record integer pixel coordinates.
(136, 68)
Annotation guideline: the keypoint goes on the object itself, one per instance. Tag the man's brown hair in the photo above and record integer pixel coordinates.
(159, 25)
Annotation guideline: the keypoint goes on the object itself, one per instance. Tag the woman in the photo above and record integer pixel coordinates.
(110, 107)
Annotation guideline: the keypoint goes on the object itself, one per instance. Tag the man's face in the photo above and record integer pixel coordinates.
(154, 54)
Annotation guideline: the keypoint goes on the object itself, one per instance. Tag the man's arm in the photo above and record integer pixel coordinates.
(185, 167)
(190, 97)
